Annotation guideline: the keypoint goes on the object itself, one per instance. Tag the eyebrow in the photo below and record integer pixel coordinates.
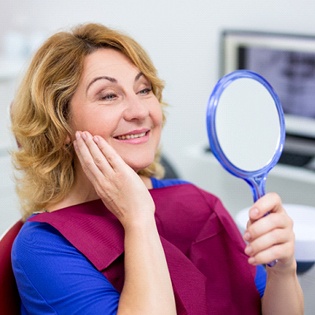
(113, 80)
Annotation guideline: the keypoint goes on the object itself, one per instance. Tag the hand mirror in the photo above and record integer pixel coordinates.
(246, 127)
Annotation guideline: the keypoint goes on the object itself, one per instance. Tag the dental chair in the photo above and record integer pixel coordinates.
(9, 296)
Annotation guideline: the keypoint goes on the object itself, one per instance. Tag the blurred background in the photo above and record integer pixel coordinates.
(182, 37)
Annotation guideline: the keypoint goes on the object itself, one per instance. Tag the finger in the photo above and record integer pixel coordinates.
(269, 203)
(267, 224)
(86, 159)
(248, 224)
(101, 159)
(275, 237)
(96, 167)
(276, 252)
(114, 159)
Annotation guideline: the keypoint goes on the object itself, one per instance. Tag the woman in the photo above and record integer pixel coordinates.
(102, 234)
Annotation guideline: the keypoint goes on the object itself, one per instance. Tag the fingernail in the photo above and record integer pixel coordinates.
(83, 135)
(77, 135)
(96, 139)
(248, 250)
(252, 260)
(254, 212)
(247, 236)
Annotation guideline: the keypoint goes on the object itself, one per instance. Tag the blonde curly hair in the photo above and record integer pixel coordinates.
(40, 111)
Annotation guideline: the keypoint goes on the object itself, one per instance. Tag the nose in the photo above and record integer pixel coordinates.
(136, 109)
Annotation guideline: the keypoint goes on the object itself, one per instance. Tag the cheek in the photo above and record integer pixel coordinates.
(91, 121)
(158, 116)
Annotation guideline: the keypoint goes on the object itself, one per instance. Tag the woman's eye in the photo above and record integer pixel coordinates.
(145, 91)
(108, 97)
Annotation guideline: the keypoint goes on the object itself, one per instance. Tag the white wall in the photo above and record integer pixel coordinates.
(181, 36)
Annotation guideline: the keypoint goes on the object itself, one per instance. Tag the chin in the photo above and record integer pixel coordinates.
(136, 166)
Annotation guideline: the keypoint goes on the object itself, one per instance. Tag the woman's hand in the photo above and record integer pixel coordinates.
(120, 188)
(147, 287)
(269, 233)
(270, 237)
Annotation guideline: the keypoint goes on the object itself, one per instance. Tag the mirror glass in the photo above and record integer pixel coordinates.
(245, 124)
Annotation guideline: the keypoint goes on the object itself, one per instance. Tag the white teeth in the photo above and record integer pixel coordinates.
(127, 137)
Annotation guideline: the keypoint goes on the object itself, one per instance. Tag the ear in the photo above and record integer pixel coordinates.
(67, 140)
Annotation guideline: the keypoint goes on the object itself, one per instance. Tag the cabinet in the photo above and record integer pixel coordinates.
(293, 184)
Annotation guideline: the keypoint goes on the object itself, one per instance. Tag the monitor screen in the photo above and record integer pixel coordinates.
(287, 62)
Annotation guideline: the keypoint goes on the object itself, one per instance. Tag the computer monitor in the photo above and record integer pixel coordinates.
(287, 61)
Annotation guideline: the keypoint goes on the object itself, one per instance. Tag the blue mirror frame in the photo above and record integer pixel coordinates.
(257, 178)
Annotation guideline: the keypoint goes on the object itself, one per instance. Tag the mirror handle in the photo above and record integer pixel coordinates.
(258, 185)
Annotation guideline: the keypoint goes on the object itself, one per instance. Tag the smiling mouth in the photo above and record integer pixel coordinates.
(132, 136)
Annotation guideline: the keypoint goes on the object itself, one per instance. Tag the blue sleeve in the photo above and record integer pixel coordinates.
(160, 183)
(260, 279)
(54, 278)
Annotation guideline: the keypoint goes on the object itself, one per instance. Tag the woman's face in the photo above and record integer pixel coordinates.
(115, 100)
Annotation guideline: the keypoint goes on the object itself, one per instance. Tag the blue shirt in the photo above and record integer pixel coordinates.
(40, 253)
